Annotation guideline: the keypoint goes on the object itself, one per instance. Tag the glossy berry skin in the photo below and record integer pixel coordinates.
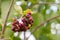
(25, 21)
(23, 27)
(28, 15)
(15, 26)
(23, 24)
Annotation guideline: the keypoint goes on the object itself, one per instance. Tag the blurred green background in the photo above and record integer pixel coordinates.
(41, 12)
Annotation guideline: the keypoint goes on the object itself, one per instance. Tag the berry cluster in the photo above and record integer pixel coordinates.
(23, 23)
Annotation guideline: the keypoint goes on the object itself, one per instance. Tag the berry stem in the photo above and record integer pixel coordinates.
(24, 36)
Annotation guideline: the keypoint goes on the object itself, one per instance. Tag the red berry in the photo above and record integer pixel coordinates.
(30, 19)
(27, 15)
(14, 19)
(13, 28)
(26, 20)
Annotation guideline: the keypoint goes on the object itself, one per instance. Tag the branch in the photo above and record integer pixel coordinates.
(8, 12)
(38, 26)
(25, 36)
(44, 23)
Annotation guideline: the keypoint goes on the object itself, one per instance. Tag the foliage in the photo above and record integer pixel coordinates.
(39, 15)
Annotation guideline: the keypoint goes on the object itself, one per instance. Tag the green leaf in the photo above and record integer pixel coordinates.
(16, 38)
(8, 33)
(44, 37)
(34, 1)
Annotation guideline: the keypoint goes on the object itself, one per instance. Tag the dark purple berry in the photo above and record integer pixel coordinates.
(27, 15)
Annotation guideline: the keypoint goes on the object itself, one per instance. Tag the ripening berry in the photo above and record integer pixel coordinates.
(26, 28)
(13, 28)
(18, 27)
(24, 23)
(22, 26)
(23, 20)
(15, 22)
(30, 19)
(14, 19)
(27, 15)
